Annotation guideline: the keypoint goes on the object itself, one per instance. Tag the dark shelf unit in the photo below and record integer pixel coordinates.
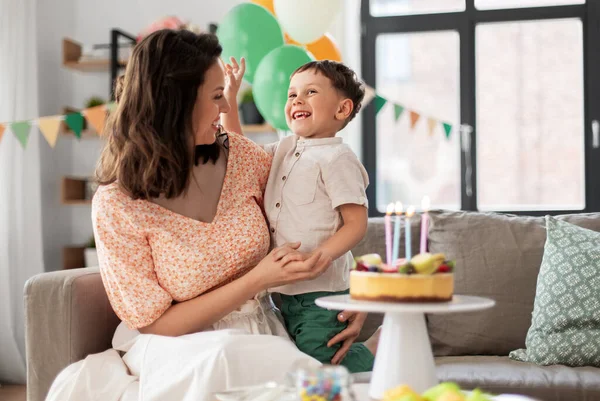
(115, 65)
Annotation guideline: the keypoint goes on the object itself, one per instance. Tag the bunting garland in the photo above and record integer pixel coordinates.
(379, 102)
(398, 110)
(369, 95)
(50, 127)
(112, 106)
(96, 116)
(21, 130)
(447, 129)
(75, 122)
(431, 124)
(414, 118)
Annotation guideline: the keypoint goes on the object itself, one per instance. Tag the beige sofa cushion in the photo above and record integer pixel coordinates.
(68, 317)
(497, 256)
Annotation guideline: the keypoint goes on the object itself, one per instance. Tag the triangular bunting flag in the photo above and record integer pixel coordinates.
(96, 116)
(447, 129)
(431, 123)
(112, 106)
(21, 130)
(398, 110)
(369, 95)
(75, 122)
(2, 128)
(379, 103)
(414, 117)
(50, 127)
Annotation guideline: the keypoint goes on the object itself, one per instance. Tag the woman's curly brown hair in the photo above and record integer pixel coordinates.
(149, 149)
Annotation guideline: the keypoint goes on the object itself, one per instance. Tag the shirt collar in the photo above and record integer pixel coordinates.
(318, 141)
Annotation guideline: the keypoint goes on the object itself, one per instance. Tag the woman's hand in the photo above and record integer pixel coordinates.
(285, 265)
(348, 335)
(234, 73)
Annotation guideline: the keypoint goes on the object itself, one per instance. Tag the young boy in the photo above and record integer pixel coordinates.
(315, 195)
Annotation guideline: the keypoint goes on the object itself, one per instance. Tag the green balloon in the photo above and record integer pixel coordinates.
(272, 80)
(249, 31)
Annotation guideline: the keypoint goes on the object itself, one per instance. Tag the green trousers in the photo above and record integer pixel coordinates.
(311, 327)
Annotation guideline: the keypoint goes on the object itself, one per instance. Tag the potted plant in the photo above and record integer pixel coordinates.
(248, 110)
(94, 101)
(90, 254)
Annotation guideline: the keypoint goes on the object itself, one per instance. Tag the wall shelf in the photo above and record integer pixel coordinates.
(73, 257)
(74, 191)
(72, 51)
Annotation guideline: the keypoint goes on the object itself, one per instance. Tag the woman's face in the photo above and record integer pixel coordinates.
(210, 103)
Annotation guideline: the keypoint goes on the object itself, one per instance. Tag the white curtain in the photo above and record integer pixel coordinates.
(21, 252)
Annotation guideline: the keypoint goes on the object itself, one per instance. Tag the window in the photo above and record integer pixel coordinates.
(517, 74)
(421, 70)
(498, 4)
(382, 8)
(530, 106)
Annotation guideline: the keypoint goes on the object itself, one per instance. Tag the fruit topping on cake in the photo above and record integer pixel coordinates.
(423, 263)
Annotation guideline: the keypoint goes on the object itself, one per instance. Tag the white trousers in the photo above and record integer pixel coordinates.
(248, 347)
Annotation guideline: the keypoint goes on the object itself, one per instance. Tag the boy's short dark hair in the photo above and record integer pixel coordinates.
(343, 78)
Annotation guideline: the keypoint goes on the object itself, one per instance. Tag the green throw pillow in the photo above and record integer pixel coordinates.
(565, 324)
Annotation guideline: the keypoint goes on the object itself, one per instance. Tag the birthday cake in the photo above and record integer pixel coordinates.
(424, 278)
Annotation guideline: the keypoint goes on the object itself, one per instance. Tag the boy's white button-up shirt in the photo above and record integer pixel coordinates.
(309, 180)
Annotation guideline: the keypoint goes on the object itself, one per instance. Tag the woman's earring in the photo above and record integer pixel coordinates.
(219, 131)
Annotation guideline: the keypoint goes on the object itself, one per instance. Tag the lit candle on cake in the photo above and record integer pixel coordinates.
(388, 233)
(407, 235)
(425, 205)
(398, 210)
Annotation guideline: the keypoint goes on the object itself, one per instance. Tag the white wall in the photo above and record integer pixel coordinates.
(55, 20)
(90, 22)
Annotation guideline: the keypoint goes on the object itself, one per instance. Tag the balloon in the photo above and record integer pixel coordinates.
(268, 4)
(325, 48)
(289, 41)
(272, 80)
(306, 20)
(249, 31)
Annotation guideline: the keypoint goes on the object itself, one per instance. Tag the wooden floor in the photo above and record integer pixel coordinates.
(12, 393)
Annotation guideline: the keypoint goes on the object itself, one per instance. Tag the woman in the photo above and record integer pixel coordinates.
(182, 239)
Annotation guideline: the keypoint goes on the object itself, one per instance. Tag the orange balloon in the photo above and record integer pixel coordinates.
(325, 48)
(268, 4)
(289, 41)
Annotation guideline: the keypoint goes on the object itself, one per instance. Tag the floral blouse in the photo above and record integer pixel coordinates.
(150, 256)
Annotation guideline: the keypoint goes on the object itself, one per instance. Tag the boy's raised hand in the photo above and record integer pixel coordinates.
(234, 73)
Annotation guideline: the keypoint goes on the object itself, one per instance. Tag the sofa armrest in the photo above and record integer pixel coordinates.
(67, 317)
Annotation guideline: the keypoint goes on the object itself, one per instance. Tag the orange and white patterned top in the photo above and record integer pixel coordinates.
(150, 256)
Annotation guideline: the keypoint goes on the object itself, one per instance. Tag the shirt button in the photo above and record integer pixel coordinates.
(272, 230)
(297, 154)
(277, 204)
(283, 178)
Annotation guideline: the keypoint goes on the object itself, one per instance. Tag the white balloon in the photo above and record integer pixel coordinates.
(306, 20)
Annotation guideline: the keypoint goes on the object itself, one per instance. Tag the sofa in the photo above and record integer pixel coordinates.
(498, 256)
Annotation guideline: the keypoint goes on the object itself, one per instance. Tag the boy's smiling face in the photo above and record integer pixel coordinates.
(315, 109)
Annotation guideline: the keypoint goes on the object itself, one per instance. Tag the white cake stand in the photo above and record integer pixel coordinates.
(404, 353)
